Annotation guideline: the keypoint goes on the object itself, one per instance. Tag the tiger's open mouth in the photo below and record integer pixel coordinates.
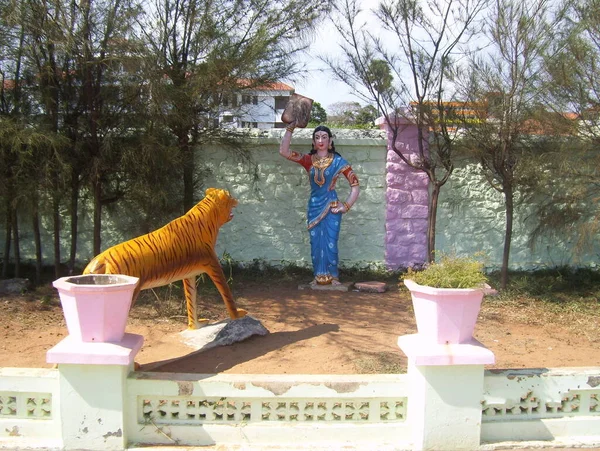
(231, 213)
(234, 204)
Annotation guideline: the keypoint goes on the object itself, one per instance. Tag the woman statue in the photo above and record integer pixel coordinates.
(324, 165)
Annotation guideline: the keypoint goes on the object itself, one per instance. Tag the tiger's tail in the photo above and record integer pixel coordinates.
(96, 266)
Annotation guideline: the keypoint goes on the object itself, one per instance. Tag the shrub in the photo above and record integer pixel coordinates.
(450, 272)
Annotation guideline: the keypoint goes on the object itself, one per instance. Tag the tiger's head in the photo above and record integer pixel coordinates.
(224, 203)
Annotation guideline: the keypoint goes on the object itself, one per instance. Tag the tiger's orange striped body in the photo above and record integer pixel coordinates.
(181, 250)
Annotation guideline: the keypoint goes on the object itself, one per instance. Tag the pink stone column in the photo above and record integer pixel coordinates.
(407, 200)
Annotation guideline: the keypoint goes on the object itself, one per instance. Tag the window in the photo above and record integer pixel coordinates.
(281, 102)
(230, 100)
(248, 99)
(228, 119)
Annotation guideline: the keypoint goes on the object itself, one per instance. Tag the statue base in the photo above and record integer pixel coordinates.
(342, 287)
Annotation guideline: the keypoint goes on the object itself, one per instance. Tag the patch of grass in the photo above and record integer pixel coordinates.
(361, 272)
(47, 301)
(260, 271)
(564, 297)
(555, 285)
(167, 301)
(379, 363)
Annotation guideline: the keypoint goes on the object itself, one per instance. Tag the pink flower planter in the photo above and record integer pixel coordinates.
(96, 306)
(446, 315)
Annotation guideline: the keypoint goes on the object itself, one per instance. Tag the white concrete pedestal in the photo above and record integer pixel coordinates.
(444, 408)
(92, 380)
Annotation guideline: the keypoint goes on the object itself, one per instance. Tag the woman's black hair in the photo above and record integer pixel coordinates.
(322, 128)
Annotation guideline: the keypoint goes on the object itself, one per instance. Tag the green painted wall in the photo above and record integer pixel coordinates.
(270, 220)
(471, 219)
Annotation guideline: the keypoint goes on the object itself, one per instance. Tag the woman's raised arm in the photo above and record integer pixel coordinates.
(284, 147)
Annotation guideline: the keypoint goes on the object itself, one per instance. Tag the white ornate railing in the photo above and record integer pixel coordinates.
(29, 407)
(190, 410)
(266, 406)
(554, 405)
(26, 405)
(541, 404)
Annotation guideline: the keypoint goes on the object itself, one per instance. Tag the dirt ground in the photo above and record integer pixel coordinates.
(311, 332)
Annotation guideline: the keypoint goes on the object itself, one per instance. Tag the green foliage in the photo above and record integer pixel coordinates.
(368, 271)
(379, 76)
(558, 285)
(112, 99)
(450, 272)
(260, 270)
(352, 115)
(318, 115)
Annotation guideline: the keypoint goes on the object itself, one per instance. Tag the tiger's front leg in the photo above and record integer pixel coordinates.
(215, 272)
(191, 301)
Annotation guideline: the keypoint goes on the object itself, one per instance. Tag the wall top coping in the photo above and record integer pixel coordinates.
(337, 380)
(407, 119)
(592, 372)
(21, 373)
(341, 136)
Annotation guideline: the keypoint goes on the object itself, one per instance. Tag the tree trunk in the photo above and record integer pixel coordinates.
(7, 240)
(56, 226)
(509, 203)
(97, 215)
(16, 244)
(74, 220)
(431, 222)
(188, 173)
(38, 243)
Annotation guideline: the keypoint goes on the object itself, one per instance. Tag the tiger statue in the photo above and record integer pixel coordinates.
(181, 250)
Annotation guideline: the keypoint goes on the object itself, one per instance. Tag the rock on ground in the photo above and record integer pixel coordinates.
(223, 333)
(371, 287)
(13, 286)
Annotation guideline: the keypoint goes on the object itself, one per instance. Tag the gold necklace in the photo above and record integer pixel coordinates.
(321, 162)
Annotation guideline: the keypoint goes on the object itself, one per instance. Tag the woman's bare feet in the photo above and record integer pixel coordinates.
(331, 281)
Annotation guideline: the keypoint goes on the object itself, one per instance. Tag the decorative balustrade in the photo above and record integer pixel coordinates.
(530, 406)
(26, 405)
(162, 408)
(191, 410)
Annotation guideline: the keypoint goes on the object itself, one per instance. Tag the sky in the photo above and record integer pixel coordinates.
(320, 85)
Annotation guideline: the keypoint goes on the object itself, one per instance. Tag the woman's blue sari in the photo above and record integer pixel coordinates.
(323, 225)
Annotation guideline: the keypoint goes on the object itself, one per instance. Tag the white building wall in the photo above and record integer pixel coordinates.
(263, 113)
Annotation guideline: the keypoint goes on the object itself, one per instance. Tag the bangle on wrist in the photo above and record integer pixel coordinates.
(290, 128)
(347, 206)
